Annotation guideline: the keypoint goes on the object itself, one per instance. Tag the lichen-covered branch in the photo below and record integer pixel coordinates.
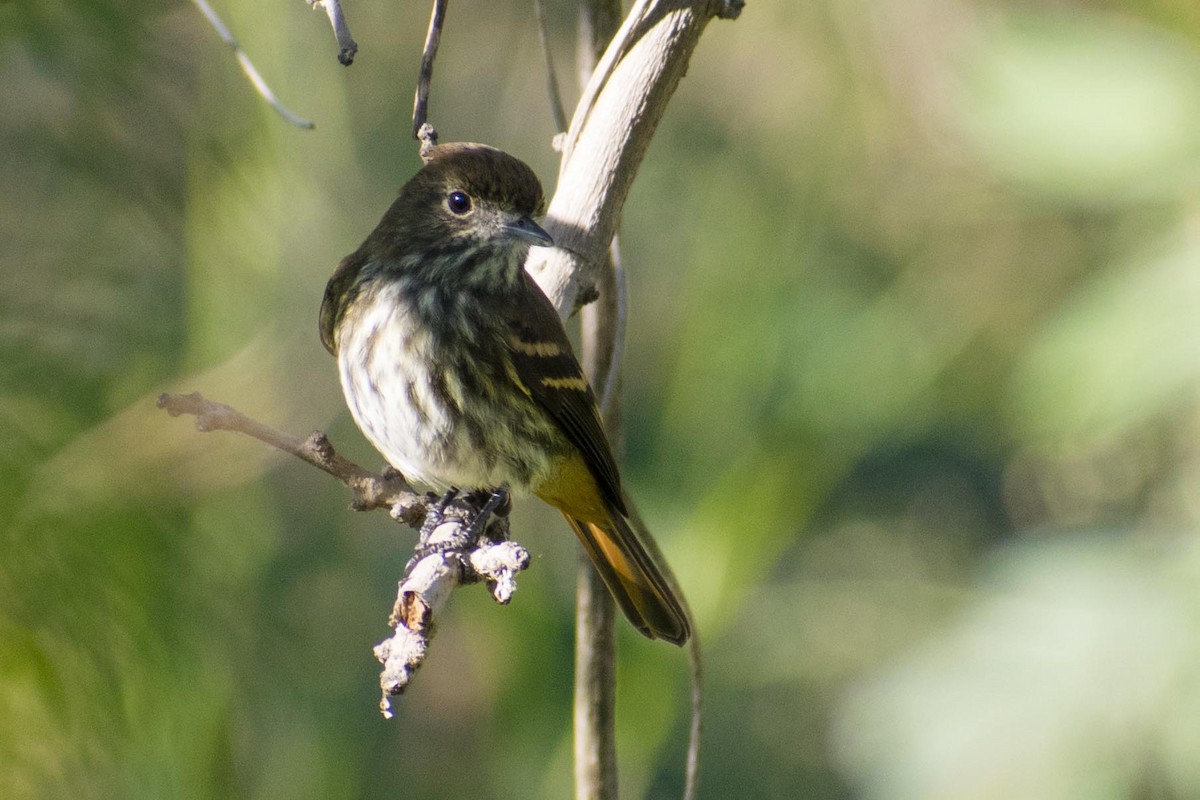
(443, 564)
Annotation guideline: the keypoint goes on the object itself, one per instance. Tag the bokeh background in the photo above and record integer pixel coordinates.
(911, 398)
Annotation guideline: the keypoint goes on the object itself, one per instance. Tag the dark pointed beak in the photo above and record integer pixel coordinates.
(526, 229)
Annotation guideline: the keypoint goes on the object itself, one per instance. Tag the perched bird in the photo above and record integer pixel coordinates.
(457, 368)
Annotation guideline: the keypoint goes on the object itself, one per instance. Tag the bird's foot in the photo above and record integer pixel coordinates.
(499, 503)
(436, 514)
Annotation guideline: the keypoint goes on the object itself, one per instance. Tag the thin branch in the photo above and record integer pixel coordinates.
(446, 555)
(556, 103)
(247, 67)
(347, 47)
(691, 782)
(433, 37)
(595, 643)
(371, 491)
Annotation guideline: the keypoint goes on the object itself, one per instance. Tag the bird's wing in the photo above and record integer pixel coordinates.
(547, 370)
(336, 296)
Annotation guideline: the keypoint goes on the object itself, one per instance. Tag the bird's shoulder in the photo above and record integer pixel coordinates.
(337, 297)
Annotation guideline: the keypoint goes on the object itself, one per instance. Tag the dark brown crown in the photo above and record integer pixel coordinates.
(483, 172)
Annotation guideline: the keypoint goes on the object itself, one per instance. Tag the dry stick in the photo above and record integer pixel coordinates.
(603, 340)
(444, 559)
(433, 38)
(248, 68)
(371, 491)
(347, 47)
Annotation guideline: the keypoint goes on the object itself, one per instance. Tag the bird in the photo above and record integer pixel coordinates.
(457, 368)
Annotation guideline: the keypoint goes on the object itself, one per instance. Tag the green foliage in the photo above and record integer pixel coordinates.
(910, 401)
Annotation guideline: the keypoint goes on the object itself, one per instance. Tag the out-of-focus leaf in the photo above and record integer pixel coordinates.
(1121, 350)
(1053, 685)
(1092, 109)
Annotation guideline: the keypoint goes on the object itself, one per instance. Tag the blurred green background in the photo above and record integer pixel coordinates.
(911, 396)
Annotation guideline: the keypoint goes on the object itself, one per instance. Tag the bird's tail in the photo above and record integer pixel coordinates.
(645, 595)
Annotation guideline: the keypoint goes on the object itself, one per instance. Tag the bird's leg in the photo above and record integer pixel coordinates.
(434, 516)
(499, 504)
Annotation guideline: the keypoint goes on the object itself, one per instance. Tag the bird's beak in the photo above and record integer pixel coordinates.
(527, 230)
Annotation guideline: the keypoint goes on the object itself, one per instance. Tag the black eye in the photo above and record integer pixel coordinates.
(459, 202)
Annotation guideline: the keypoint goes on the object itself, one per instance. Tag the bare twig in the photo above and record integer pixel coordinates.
(371, 491)
(595, 643)
(347, 47)
(556, 103)
(248, 68)
(446, 556)
(691, 780)
(433, 37)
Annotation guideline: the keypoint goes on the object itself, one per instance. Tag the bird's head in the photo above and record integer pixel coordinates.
(468, 199)
(463, 221)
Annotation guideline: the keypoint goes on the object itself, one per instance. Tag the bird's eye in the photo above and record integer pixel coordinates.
(459, 202)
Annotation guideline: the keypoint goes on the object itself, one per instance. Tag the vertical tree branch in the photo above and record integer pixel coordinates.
(595, 687)
(595, 611)
(622, 103)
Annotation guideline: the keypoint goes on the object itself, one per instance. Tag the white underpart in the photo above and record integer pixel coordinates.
(428, 443)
